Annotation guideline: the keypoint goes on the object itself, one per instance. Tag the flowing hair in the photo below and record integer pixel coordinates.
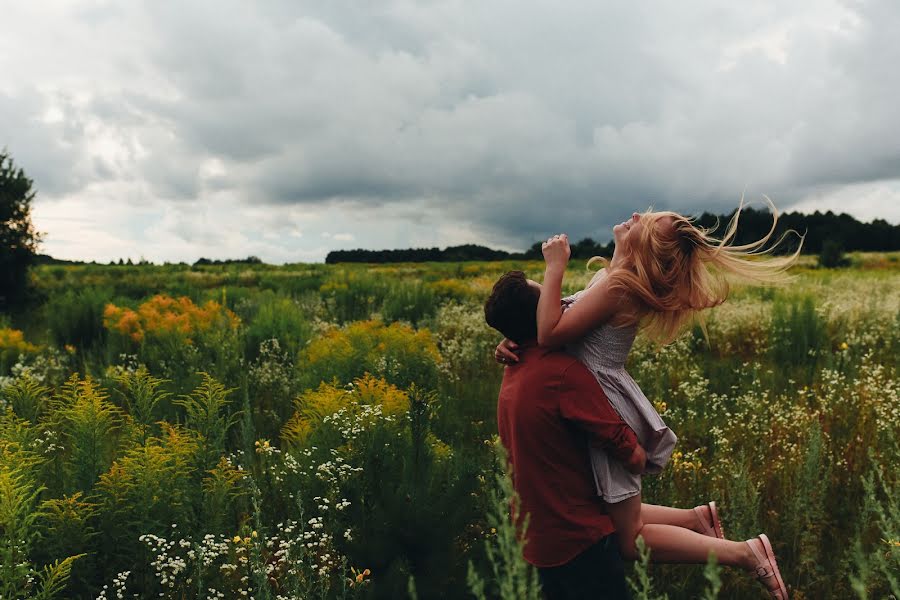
(676, 272)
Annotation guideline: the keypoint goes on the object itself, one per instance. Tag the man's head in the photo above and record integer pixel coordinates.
(511, 308)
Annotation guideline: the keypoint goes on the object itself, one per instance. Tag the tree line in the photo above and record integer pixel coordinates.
(823, 231)
(827, 234)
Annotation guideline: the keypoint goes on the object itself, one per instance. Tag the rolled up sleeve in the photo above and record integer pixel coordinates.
(584, 403)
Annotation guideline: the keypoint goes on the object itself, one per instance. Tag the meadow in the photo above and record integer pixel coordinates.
(328, 431)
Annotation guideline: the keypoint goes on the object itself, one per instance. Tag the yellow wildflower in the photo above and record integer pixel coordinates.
(12, 341)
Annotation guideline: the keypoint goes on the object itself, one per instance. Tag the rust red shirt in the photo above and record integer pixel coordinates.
(549, 410)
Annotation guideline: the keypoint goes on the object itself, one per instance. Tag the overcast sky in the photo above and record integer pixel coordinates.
(285, 129)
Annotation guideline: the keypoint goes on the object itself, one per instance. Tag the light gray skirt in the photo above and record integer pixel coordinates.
(614, 482)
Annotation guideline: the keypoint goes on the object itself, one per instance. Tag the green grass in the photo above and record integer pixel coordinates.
(186, 459)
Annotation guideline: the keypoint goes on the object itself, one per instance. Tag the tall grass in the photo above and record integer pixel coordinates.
(412, 302)
(798, 338)
(277, 318)
(511, 578)
(75, 317)
(344, 415)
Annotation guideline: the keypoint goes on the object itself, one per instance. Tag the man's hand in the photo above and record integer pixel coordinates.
(637, 462)
(506, 352)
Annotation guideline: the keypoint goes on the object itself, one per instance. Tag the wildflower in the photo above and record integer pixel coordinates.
(163, 315)
(236, 539)
(844, 346)
(12, 341)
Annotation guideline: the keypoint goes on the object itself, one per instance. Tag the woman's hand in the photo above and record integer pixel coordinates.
(506, 352)
(556, 251)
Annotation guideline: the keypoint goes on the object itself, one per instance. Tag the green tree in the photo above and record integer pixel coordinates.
(18, 238)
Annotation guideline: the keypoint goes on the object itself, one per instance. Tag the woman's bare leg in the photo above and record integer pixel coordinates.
(672, 543)
(679, 517)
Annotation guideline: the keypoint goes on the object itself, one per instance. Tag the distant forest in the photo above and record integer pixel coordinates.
(841, 231)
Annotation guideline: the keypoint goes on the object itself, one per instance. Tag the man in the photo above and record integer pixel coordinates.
(549, 410)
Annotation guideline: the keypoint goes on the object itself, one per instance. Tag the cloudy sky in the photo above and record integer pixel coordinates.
(285, 129)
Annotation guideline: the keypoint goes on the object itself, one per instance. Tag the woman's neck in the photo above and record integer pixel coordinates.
(616, 261)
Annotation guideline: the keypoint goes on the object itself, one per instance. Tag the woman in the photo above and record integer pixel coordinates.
(663, 272)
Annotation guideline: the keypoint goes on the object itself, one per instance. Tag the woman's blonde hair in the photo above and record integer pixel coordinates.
(676, 272)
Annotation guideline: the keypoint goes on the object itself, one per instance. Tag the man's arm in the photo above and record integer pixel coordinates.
(583, 402)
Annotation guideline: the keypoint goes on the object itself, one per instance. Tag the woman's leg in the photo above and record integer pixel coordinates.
(669, 542)
(679, 517)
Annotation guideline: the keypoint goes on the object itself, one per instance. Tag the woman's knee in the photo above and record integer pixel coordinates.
(626, 518)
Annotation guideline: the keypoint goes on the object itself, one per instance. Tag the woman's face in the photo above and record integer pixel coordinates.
(627, 233)
(627, 230)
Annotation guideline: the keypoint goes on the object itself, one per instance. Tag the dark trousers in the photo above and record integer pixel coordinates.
(598, 573)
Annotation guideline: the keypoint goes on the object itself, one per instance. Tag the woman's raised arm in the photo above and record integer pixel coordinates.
(598, 304)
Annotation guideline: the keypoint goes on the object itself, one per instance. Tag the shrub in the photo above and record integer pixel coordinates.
(177, 338)
(20, 520)
(142, 393)
(366, 396)
(26, 397)
(396, 352)
(89, 426)
(832, 255)
(12, 345)
(372, 445)
(145, 491)
(164, 316)
(207, 413)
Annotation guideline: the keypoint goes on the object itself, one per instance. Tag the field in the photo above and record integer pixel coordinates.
(313, 431)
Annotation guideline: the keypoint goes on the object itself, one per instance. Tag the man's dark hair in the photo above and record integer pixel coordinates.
(511, 308)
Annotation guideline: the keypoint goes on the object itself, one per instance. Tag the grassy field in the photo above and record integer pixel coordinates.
(313, 431)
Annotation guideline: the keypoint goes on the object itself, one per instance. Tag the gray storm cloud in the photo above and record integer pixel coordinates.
(514, 118)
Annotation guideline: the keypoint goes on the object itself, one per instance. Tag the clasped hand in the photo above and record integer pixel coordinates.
(556, 251)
